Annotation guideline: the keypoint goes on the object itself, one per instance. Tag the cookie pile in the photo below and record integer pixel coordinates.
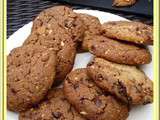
(41, 85)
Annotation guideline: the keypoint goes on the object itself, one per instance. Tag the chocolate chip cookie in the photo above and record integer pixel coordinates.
(127, 83)
(55, 37)
(55, 107)
(65, 18)
(121, 3)
(119, 52)
(135, 32)
(89, 100)
(30, 74)
(92, 26)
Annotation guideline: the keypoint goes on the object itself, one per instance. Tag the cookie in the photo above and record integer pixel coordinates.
(65, 18)
(119, 52)
(91, 23)
(89, 100)
(55, 37)
(135, 32)
(92, 26)
(127, 83)
(55, 107)
(30, 74)
(121, 3)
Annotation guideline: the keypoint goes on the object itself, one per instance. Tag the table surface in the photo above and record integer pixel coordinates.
(20, 12)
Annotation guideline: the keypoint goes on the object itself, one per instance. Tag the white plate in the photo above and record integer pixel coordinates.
(137, 113)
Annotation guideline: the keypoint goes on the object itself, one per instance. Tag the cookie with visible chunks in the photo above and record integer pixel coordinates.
(54, 36)
(119, 52)
(89, 100)
(135, 32)
(127, 83)
(121, 3)
(65, 18)
(55, 107)
(92, 26)
(91, 23)
(30, 74)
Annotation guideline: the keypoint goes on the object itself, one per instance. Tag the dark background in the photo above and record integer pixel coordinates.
(20, 12)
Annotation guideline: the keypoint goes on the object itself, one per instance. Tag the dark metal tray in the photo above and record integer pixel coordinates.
(142, 7)
(20, 12)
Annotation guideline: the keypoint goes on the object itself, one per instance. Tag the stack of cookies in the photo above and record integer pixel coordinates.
(41, 84)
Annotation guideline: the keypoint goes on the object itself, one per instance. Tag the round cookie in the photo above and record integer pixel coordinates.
(55, 107)
(127, 83)
(89, 100)
(92, 27)
(119, 52)
(130, 31)
(55, 37)
(30, 74)
(65, 18)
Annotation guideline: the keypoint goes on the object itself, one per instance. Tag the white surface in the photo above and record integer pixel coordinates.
(137, 113)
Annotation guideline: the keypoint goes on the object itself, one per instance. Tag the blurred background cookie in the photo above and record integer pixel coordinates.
(121, 3)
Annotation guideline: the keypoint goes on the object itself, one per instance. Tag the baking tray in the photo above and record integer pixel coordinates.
(20, 12)
(142, 7)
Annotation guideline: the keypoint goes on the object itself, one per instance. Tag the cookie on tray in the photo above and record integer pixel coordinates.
(89, 100)
(55, 37)
(92, 26)
(65, 17)
(119, 52)
(127, 83)
(135, 32)
(30, 74)
(55, 107)
(121, 3)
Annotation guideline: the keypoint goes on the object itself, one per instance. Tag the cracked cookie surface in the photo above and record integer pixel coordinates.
(89, 100)
(55, 107)
(135, 32)
(65, 18)
(30, 74)
(119, 52)
(127, 83)
(54, 36)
